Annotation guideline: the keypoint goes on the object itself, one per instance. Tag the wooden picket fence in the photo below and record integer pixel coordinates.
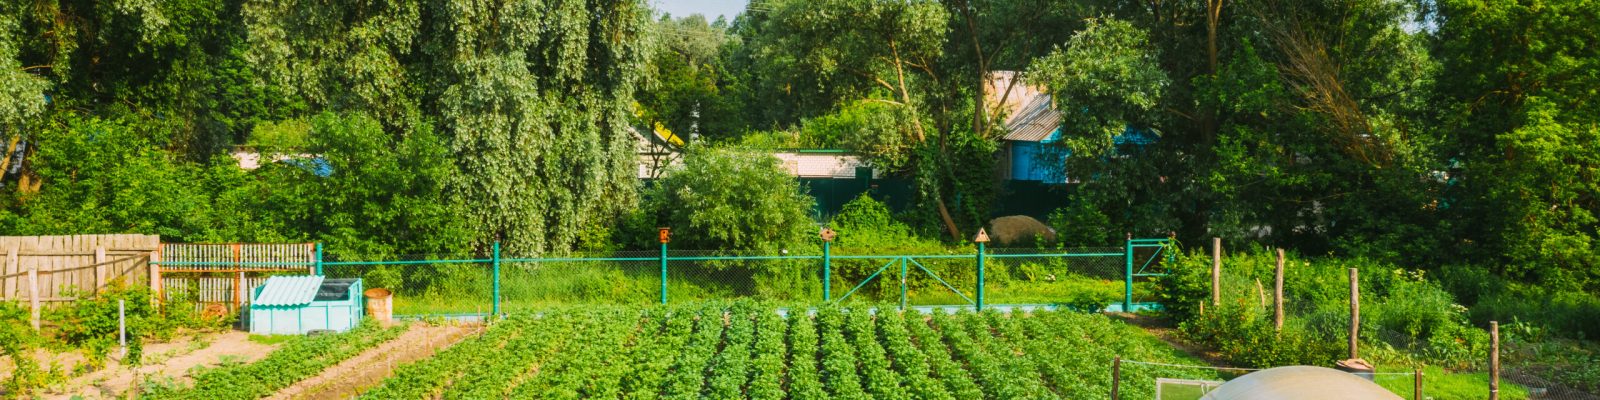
(226, 273)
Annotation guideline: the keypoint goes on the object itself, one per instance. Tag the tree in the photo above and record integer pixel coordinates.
(1517, 111)
(534, 98)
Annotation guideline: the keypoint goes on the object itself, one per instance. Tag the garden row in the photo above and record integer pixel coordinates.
(747, 351)
(299, 359)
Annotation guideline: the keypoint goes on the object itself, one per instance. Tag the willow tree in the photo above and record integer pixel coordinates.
(536, 96)
(533, 97)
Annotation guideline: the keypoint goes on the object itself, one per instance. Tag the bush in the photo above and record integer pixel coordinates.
(1242, 332)
(1404, 316)
(17, 342)
(91, 322)
(735, 200)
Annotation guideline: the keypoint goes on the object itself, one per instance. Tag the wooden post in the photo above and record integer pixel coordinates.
(1216, 271)
(8, 289)
(1277, 296)
(33, 294)
(1494, 360)
(1116, 376)
(1355, 313)
(99, 270)
(238, 277)
(1416, 381)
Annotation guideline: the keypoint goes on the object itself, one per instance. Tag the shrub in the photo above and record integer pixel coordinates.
(729, 199)
(17, 341)
(1404, 315)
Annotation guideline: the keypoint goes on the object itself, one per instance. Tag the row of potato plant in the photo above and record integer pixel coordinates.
(297, 360)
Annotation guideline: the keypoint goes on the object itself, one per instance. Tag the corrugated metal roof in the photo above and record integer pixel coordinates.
(288, 290)
(1034, 122)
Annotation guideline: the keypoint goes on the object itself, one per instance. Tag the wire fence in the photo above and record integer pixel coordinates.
(1090, 279)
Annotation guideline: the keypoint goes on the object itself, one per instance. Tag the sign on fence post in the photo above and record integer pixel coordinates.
(496, 265)
(665, 235)
(982, 238)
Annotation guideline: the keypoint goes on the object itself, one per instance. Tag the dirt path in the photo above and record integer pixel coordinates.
(171, 360)
(354, 375)
(1163, 329)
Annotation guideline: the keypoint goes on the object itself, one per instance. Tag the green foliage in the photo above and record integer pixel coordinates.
(280, 136)
(17, 343)
(91, 323)
(1106, 78)
(1405, 318)
(1082, 224)
(24, 91)
(732, 200)
(409, 173)
(744, 350)
(865, 225)
(110, 175)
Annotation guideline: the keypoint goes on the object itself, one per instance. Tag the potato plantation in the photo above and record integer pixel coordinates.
(732, 351)
(754, 352)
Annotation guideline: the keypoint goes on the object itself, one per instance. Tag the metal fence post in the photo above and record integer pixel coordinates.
(902, 283)
(1127, 276)
(496, 266)
(663, 272)
(827, 270)
(319, 259)
(665, 235)
(981, 239)
(980, 277)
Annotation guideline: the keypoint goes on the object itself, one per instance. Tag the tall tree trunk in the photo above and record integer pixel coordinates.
(916, 127)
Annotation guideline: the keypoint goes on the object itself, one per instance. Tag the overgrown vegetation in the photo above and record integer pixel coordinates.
(1405, 319)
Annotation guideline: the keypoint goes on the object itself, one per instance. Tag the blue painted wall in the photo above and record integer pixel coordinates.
(1038, 161)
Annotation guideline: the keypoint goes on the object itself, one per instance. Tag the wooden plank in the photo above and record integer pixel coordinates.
(33, 296)
(100, 271)
(9, 286)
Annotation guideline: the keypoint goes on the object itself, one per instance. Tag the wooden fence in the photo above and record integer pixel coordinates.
(226, 273)
(47, 269)
(73, 264)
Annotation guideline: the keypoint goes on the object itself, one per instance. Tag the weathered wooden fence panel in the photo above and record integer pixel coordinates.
(226, 273)
(72, 264)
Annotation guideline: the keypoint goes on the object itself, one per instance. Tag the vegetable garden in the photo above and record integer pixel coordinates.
(743, 350)
(735, 350)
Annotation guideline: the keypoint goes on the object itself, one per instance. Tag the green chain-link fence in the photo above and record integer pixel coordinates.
(1079, 278)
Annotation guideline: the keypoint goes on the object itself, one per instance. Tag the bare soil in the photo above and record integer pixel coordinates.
(365, 370)
(164, 361)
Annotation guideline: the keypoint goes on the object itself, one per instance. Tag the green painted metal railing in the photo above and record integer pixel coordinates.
(1134, 265)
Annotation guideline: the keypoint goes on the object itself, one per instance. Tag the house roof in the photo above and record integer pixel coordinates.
(1034, 121)
(288, 290)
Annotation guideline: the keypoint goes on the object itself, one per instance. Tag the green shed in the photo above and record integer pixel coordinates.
(294, 305)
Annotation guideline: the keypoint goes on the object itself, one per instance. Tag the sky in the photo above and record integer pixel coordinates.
(710, 8)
